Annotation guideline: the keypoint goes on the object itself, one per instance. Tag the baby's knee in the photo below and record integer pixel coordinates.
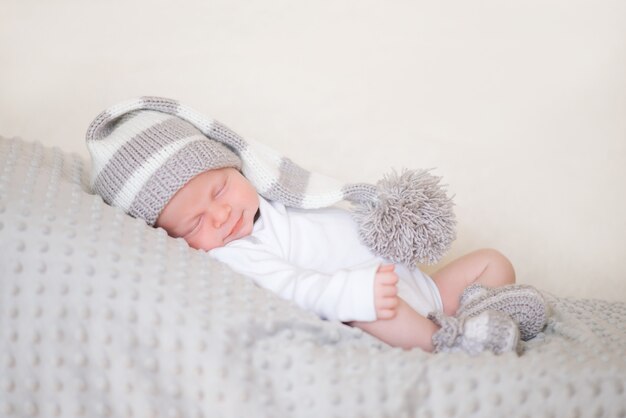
(501, 262)
(491, 254)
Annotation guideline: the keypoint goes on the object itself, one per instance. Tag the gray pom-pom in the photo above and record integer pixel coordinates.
(411, 221)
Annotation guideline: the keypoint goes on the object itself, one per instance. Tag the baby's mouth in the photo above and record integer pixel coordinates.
(236, 227)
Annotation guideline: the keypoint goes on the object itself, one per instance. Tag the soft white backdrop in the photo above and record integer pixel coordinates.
(520, 105)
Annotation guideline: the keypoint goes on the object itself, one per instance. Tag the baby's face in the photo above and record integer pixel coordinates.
(212, 209)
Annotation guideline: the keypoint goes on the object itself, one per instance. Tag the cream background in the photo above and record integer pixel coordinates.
(520, 105)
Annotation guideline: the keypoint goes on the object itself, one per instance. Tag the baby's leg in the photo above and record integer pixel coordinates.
(487, 267)
(407, 329)
(490, 331)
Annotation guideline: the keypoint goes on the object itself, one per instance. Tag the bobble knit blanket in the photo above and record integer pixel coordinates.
(103, 316)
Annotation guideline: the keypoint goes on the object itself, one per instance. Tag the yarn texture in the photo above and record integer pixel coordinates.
(491, 331)
(523, 303)
(411, 221)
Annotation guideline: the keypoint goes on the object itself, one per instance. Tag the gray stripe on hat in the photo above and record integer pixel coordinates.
(100, 127)
(292, 184)
(217, 130)
(137, 150)
(108, 128)
(225, 135)
(360, 192)
(160, 104)
(190, 161)
(95, 131)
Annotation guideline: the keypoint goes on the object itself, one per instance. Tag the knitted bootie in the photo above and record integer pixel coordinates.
(489, 331)
(523, 303)
(472, 292)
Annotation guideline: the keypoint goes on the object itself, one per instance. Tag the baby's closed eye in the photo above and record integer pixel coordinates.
(196, 226)
(221, 188)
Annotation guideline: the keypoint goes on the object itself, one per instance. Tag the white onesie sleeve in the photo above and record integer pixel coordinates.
(345, 295)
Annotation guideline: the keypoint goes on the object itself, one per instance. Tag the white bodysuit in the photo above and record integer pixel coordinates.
(315, 259)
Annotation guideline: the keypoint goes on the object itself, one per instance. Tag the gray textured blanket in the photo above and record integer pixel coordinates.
(101, 315)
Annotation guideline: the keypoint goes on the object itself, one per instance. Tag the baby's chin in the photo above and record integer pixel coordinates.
(204, 246)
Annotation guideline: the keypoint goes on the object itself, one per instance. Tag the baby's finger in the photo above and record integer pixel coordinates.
(388, 291)
(388, 278)
(386, 267)
(387, 303)
(386, 314)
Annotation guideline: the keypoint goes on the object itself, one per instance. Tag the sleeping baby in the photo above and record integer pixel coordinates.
(279, 225)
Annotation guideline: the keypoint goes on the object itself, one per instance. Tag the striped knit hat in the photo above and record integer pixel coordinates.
(144, 150)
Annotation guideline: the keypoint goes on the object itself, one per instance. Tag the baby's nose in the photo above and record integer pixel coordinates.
(220, 215)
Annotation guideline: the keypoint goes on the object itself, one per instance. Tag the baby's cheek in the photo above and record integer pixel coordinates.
(203, 241)
(192, 243)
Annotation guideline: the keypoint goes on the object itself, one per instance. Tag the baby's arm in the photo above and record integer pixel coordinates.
(398, 324)
(345, 295)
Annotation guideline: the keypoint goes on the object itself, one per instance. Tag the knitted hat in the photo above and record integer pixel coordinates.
(144, 150)
(143, 157)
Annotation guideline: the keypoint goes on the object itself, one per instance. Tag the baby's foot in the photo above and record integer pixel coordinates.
(489, 331)
(523, 303)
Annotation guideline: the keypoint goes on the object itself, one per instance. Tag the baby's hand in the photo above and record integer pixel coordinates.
(386, 292)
